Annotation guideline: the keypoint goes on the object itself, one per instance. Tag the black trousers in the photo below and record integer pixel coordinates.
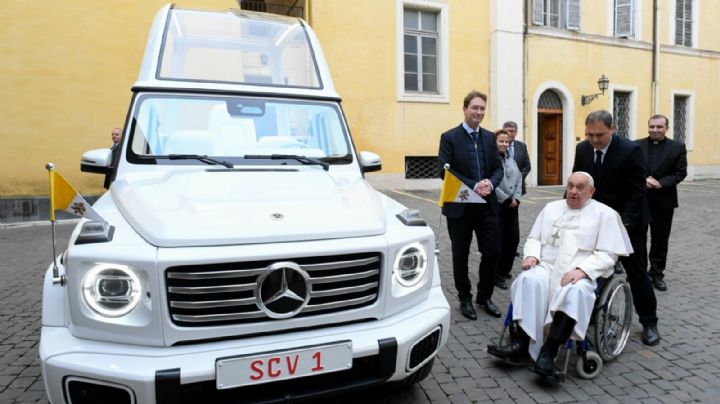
(637, 275)
(660, 225)
(509, 232)
(478, 219)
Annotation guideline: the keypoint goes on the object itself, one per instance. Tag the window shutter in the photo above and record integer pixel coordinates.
(687, 34)
(679, 10)
(624, 18)
(538, 11)
(573, 14)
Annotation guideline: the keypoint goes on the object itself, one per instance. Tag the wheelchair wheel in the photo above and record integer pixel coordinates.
(589, 366)
(613, 319)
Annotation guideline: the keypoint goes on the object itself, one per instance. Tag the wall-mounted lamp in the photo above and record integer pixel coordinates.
(603, 83)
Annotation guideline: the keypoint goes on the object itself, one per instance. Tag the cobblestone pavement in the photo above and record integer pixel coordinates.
(685, 367)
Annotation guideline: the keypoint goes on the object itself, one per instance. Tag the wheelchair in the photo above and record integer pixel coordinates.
(608, 331)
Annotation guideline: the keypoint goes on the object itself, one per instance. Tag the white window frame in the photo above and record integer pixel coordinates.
(441, 7)
(695, 25)
(637, 19)
(632, 125)
(689, 115)
(563, 18)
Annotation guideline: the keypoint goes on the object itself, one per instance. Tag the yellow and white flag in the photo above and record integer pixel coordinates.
(454, 190)
(64, 197)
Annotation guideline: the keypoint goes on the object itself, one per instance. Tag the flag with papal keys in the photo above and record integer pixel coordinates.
(454, 190)
(64, 197)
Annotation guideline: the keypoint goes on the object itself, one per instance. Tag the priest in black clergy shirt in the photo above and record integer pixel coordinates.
(472, 155)
(667, 167)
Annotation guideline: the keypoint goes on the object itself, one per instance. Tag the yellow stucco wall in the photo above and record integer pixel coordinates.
(68, 68)
(362, 56)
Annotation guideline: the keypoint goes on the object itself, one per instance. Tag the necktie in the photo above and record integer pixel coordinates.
(512, 151)
(474, 136)
(598, 162)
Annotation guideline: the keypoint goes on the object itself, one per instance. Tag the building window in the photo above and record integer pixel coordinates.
(621, 112)
(420, 44)
(624, 18)
(680, 117)
(421, 167)
(557, 13)
(684, 22)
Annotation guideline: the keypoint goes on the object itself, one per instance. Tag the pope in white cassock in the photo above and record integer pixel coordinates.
(572, 243)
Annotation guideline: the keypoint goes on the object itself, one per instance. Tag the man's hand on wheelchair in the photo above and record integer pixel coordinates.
(529, 262)
(572, 276)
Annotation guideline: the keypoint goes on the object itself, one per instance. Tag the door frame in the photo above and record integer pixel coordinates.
(569, 140)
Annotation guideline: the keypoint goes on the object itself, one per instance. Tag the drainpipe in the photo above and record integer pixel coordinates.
(524, 70)
(655, 59)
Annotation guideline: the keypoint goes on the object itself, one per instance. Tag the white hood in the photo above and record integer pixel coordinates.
(203, 208)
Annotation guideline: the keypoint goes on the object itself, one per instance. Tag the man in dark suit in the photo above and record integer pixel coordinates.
(518, 151)
(116, 136)
(667, 167)
(472, 155)
(619, 170)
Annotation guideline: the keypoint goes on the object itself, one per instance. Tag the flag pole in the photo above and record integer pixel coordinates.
(57, 279)
(437, 232)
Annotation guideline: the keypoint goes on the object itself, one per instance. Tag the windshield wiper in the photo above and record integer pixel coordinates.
(301, 159)
(200, 157)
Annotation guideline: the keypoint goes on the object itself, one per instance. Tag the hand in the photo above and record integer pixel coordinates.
(514, 203)
(483, 188)
(572, 276)
(529, 262)
(651, 182)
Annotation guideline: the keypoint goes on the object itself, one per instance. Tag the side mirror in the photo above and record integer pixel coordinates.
(369, 162)
(97, 161)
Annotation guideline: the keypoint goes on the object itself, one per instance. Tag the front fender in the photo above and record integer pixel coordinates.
(53, 301)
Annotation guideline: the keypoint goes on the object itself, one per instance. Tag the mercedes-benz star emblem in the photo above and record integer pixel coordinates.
(277, 216)
(283, 290)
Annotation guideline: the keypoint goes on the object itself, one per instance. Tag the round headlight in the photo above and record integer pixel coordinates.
(111, 291)
(410, 264)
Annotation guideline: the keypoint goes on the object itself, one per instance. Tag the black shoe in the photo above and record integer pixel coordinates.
(659, 284)
(515, 351)
(500, 283)
(544, 364)
(508, 276)
(467, 309)
(490, 307)
(650, 335)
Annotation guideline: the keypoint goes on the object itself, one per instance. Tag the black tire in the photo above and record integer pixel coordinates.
(613, 319)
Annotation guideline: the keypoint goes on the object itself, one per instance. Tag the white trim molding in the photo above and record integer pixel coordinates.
(568, 135)
(442, 8)
(689, 115)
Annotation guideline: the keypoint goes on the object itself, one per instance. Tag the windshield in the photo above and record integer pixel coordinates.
(230, 128)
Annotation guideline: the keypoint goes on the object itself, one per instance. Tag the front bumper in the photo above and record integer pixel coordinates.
(380, 350)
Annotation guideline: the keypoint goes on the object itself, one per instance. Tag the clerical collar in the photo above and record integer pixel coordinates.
(658, 141)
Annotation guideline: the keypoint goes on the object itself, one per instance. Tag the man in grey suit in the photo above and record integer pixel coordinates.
(518, 151)
(667, 167)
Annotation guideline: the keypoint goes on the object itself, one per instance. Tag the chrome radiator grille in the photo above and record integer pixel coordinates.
(229, 293)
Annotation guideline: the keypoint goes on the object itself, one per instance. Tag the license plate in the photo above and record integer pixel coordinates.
(282, 365)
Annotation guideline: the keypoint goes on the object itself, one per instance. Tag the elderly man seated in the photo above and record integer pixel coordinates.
(572, 243)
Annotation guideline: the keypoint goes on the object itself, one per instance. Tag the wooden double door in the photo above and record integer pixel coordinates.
(550, 144)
